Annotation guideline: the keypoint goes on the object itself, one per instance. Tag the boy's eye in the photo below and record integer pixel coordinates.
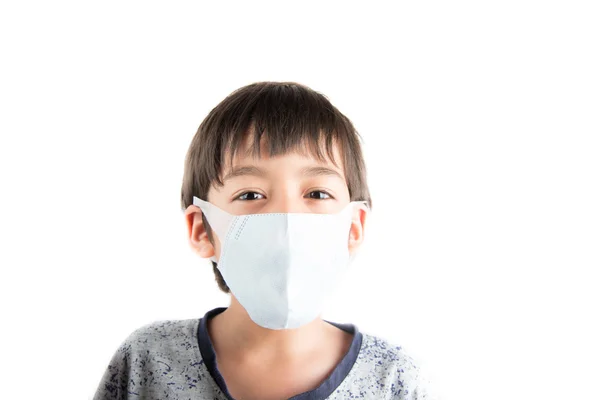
(249, 196)
(319, 195)
(315, 195)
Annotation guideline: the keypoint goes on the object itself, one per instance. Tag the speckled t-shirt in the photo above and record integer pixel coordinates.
(175, 359)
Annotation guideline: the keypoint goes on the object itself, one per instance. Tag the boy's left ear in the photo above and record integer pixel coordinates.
(357, 228)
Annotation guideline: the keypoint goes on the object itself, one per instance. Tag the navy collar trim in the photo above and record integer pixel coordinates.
(324, 390)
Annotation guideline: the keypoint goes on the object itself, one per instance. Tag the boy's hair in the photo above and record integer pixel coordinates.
(290, 116)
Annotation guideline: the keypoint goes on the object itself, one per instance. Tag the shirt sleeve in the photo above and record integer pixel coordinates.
(114, 384)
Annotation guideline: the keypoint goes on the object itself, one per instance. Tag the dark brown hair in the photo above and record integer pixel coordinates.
(289, 116)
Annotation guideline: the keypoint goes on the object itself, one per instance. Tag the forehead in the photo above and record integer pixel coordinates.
(255, 151)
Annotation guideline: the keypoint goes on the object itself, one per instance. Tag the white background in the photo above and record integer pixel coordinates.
(480, 121)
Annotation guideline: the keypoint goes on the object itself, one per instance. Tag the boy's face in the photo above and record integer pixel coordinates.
(288, 183)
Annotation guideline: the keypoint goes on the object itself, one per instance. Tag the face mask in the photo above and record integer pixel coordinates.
(281, 267)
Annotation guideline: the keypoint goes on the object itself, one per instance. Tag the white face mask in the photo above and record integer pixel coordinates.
(281, 267)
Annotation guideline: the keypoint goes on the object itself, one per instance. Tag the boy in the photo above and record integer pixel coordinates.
(275, 194)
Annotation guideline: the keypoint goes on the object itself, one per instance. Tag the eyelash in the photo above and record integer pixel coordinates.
(314, 191)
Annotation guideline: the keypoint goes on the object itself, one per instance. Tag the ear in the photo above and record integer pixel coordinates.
(357, 228)
(197, 234)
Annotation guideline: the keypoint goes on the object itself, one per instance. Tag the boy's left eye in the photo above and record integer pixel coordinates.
(319, 195)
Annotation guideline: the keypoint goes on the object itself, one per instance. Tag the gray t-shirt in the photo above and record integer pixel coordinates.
(175, 359)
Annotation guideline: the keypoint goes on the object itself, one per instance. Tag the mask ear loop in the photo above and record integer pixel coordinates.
(218, 219)
(365, 204)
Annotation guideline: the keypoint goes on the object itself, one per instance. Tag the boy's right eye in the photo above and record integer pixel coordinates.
(249, 196)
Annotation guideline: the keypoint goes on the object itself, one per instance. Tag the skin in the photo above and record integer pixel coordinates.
(260, 363)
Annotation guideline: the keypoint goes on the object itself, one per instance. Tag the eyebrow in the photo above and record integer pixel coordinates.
(252, 170)
(319, 171)
(243, 171)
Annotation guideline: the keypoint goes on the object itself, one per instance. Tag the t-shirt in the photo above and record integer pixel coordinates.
(175, 359)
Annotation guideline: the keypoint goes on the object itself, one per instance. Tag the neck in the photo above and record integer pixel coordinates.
(233, 332)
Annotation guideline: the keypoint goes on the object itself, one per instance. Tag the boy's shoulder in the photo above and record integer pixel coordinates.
(157, 360)
(377, 351)
(388, 369)
(163, 334)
